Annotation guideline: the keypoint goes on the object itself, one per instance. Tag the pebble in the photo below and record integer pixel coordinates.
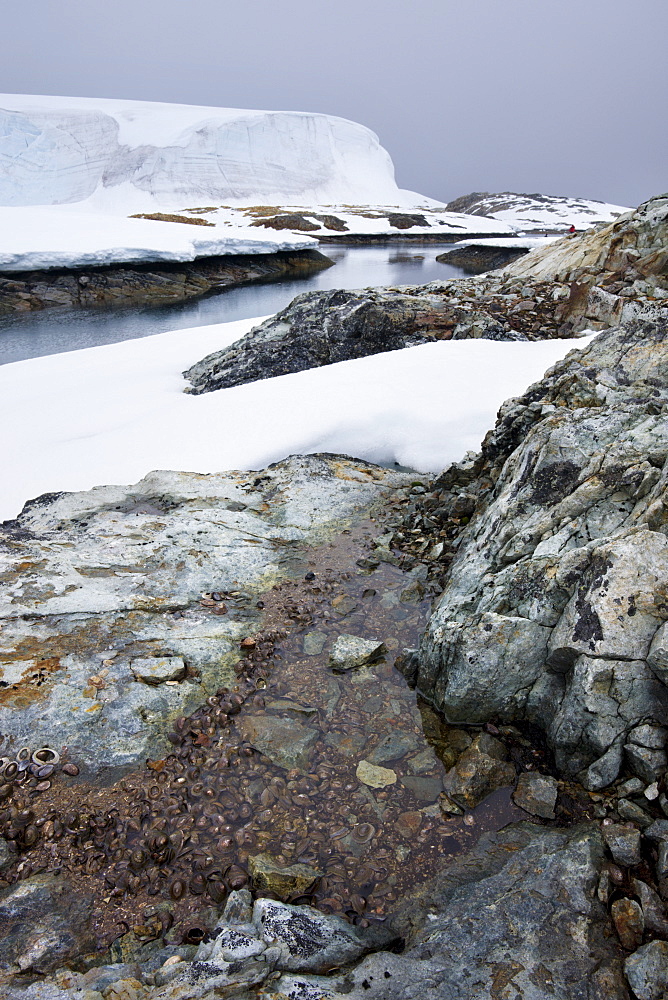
(536, 794)
(351, 651)
(627, 916)
(375, 777)
(624, 843)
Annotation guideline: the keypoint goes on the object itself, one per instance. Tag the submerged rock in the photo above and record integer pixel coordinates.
(286, 742)
(480, 770)
(350, 651)
(283, 880)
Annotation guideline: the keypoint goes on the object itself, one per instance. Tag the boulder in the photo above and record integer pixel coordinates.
(556, 593)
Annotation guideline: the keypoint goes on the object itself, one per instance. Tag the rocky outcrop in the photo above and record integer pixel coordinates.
(573, 284)
(536, 212)
(633, 251)
(321, 328)
(479, 259)
(104, 640)
(149, 283)
(554, 605)
(519, 911)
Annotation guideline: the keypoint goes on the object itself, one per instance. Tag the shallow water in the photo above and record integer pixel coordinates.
(180, 831)
(53, 331)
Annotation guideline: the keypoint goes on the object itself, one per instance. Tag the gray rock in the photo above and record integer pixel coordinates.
(632, 786)
(5, 853)
(158, 669)
(424, 789)
(542, 617)
(322, 328)
(44, 923)
(536, 794)
(658, 830)
(647, 970)
(623, 842)
(647, 764)
(654, 914)
(351, 651)
(653, 737)
(392, 746)
(286, 742)
(314, 643)
(92, 584)
(312, 941)
(520, 911)
(635, 813)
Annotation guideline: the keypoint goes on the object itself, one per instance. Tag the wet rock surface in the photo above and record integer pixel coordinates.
(152, 284)
(102, 596)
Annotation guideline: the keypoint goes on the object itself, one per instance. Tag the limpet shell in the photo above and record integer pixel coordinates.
(46, 755)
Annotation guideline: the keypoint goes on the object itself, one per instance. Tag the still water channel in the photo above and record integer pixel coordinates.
(56, 330)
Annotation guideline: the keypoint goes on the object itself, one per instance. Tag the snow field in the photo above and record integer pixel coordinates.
(112, 414)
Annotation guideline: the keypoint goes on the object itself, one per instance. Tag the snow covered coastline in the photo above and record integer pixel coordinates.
(36, 238)
(537, 213)
(110, 414)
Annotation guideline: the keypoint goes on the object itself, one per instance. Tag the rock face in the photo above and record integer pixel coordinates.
(104, 640)
(558, 588)
(23, 291)
(44, 922)
(321, 328)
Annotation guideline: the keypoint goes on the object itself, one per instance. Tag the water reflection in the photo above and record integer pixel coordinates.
(56, 330)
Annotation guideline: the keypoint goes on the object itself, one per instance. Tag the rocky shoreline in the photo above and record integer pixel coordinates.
(259, 616)
(149, 284)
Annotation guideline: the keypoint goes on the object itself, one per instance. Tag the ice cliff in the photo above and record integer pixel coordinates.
(123, 156)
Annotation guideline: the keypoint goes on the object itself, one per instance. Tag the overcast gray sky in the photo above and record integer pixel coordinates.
(557, 96)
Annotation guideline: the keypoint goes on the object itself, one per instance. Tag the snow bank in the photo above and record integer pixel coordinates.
(36, 238)
(111, 414)
(132, 156)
